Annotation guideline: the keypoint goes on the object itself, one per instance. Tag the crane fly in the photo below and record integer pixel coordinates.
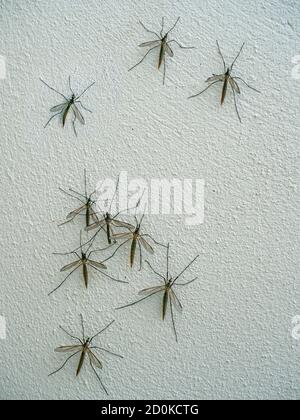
(87, 205)
(110, 221)
(137, 239)
(85, 348)
(227, 80)
(163, 43)
(85, 262)
(166, 288)
(70, 105)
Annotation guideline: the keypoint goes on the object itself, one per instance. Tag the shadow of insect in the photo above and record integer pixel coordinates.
(70, 105)
(227, 80)
(85, 262)
(85, 348)
(169, 297)
(163, 44)
(87, 205)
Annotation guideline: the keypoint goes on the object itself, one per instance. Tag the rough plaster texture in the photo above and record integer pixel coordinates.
(235, 332)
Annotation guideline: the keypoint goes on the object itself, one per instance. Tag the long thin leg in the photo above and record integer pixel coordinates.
(63, 281)
(168, 261)
(198, 94)
(148, 30)
(53, 116)
(173, 321)
(223, 59)
(155, 272)
(235, 104)
(54, 90)
(140, 62)
(179, 45)
(99, 250)
(70, 335)
(70, 195)
(98, 377)
(237, 56)
(138, 301)
(250, 87)
(78, 193)
(108, 276)
(152, 239)
(109, 258)
(184, 270)
(173, 27)
(92, 84)
(86, 109)
(101, 331)
(189, 282)
(56, 371)
(107, 351)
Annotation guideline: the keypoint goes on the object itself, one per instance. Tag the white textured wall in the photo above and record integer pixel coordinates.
(235, 332)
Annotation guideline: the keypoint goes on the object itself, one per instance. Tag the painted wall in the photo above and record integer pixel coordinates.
(235, 337)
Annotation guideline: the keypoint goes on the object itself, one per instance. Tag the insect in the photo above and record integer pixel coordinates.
(69, 104)
(87, 205)
(228, 81)
(169, 296)
(84, 261)
(137, 239)
(85, 348)
(109, 221)
(163, 43)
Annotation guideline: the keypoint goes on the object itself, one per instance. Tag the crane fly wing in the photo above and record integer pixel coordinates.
(97, 264)
(99, 223)
(169, 50)
(234, 85)
(175, 300)
(94, 360)
(76, 212)
(149, 43)
(65, 349)
(146, 245)
(119, 223)
(78, 114)
(151, 289)
(59, 107)
(125, 235)
(71, 265)
(215, 78)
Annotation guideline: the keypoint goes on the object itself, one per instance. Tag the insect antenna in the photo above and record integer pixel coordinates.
(70, 87)
(239, 53)
(223, 59)
(100, 332)
(86, 89)
(162, 26)
(173, 27)
(184, 270)
(54, 90)
(82, 327)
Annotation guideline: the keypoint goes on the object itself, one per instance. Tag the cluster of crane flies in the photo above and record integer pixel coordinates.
(162, 44)
(106, 222)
